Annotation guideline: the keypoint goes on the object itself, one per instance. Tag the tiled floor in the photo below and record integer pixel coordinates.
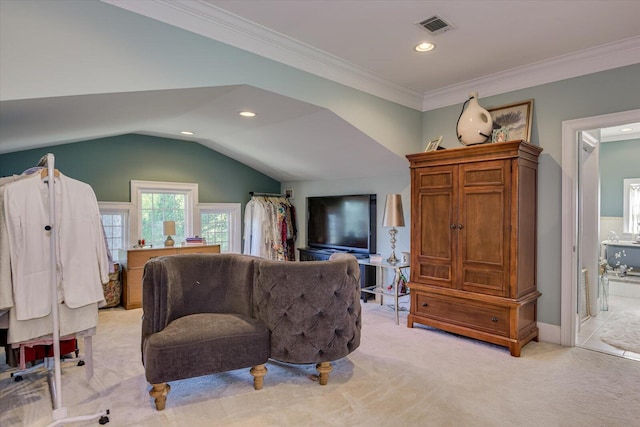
(589, 335)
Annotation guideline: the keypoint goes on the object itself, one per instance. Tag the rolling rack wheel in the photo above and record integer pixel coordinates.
(104, 419)
(17, 378)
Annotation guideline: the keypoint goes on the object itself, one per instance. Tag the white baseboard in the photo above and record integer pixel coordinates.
(549, 333)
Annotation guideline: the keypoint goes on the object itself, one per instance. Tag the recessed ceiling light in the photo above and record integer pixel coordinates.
(425, 47)
(187, 132)
(247, 114)
(626, 129)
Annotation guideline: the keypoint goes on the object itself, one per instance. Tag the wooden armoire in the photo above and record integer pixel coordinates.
(473, 242)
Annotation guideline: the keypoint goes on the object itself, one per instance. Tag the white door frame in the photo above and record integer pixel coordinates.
(570, 150)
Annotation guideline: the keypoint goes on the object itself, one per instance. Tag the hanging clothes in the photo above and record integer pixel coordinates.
(82, 267)
(270, 228)
(82, 257)
(70, 233)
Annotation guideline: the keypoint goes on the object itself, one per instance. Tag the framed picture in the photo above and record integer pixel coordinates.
(433, 144)
(288, 193)
(516, 118)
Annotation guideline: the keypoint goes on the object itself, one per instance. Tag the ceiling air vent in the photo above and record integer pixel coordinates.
(435, 25)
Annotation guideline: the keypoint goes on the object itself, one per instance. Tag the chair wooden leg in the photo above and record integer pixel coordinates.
(258, 372)
(323, 369)
(159, 393)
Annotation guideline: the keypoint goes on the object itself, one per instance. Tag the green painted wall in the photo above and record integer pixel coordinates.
(591, 95)
(109, 164)
(618, 161)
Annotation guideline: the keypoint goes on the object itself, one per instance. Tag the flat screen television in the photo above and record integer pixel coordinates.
(343, 223)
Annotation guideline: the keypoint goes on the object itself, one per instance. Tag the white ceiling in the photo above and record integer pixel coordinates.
(620, 133)
(495, 47)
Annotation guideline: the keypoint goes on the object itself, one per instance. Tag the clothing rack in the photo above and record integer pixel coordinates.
(55, 383)
(251, 193)
(277, 249)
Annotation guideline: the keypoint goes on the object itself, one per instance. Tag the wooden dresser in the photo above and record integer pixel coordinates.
(473, 242)
(133, 269)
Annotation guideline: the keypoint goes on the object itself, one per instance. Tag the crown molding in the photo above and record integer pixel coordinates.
(200, 17)
(588, 61)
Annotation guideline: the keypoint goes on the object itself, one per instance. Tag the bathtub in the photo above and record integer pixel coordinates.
(622, 253)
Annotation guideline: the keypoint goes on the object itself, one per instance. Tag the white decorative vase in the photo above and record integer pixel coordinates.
(475, 123)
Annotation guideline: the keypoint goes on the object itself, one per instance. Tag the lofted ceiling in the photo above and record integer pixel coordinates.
(493, 47)
(299, 136)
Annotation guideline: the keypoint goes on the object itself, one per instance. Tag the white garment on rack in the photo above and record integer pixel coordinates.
(6, 292)
(82, 257)
(254, 223)
(81, 321)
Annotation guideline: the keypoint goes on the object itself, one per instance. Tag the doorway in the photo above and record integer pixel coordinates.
(580, 209)
(606, 304)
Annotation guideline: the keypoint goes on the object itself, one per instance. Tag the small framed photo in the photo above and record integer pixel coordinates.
(515, 119)
(288, 193)
(433, 144)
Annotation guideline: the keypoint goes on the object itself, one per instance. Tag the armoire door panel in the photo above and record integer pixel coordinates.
(435, 274)
(484, 281)
(437, 178)
(436, 211)
(482, 232)
(489, 173)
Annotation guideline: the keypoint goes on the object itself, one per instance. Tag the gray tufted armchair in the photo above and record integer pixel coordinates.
(311, 308)
(199, 320)
(209, 313)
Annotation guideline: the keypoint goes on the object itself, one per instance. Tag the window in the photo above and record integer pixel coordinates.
(115, 222)
(220, 225)
(632, 206)
(157, 207)
(156, 202)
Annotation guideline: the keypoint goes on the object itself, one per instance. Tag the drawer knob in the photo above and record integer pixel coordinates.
(494, 319)
(424, 304)
(453, 226)
(460, 226)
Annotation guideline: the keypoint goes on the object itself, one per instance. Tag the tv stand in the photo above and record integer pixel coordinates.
(367, 272)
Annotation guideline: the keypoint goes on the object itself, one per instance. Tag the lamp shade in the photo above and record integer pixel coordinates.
(169, 228)
(393, 214)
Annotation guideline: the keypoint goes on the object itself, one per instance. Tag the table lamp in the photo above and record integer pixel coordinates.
(169, 229)
(393, 217)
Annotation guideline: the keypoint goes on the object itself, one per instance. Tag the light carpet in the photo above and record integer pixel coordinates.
(623, 331)
(398, 377)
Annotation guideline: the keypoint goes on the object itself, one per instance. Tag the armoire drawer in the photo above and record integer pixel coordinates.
(480, 316)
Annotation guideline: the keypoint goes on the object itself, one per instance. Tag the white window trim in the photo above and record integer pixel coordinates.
(138, 187)
(117, 207)
(626, 228)
(234, 210)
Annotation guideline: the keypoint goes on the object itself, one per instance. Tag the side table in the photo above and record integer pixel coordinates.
(379, 289)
